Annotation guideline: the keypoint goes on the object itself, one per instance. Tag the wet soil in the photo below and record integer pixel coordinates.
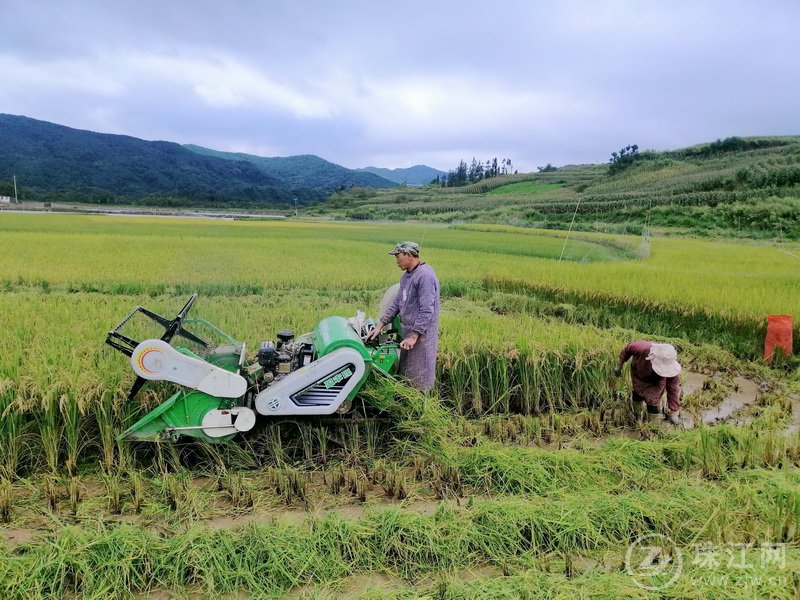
(14, 537)
(300, 516)
(737, 396)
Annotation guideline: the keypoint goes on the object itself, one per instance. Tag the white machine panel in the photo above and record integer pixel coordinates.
(319, 388)
(222, 422)
(158, 361)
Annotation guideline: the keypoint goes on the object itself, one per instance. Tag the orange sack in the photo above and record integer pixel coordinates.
(779, 335)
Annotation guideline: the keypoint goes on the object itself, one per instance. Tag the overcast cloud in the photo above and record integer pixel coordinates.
(393, 84)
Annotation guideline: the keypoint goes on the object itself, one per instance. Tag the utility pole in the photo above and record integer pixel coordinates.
(295, 207)
(16, 200)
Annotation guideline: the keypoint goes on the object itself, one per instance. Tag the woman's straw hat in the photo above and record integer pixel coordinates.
(664, 360)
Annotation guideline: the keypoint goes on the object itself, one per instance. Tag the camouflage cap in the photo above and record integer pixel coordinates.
(411, 248)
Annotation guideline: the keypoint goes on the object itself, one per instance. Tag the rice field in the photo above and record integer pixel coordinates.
(524, 476)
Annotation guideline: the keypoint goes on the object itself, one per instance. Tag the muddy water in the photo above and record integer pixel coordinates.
(692, 382)
(744, 394)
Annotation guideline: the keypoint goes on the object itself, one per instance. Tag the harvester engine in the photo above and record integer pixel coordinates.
(282, 358)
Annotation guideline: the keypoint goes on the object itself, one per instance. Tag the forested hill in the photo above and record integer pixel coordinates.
(305, 170)
(58, 163)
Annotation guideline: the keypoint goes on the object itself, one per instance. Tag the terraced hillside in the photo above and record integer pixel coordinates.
(737, 186)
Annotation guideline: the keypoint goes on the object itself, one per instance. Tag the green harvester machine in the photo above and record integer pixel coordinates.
(221, 395)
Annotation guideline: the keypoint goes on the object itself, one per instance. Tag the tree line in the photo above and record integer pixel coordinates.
(623, 159)
(476, 171)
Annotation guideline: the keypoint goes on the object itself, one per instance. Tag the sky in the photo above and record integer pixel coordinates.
(399, 83)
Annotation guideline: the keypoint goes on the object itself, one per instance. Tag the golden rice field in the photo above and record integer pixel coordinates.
(523, 476)
(158, 254)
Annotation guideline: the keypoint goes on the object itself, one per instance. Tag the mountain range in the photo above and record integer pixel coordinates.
(414, 176)
(59, 163)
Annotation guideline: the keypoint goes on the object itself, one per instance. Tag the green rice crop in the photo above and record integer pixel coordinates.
(513, 436)
(73, 400)
(65, 392)
(137, 254)
(120, 560)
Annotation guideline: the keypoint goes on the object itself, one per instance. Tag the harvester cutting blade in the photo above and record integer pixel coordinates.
(184, 414)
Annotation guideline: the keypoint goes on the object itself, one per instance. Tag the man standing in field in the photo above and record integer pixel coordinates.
(417, 303)
(654, 369)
